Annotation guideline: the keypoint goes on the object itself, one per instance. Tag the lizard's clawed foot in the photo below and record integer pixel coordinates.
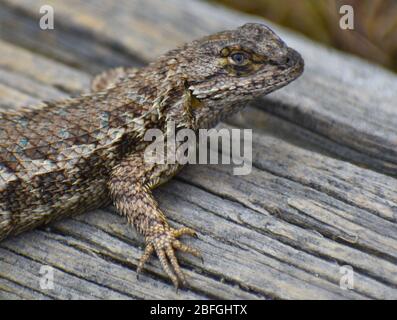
(164, 242)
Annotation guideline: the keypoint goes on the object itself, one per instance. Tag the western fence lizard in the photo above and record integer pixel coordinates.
(68, 157)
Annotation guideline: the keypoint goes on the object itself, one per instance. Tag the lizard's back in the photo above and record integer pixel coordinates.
(54, 161)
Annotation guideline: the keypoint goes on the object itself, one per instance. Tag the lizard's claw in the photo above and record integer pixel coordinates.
(164, 242)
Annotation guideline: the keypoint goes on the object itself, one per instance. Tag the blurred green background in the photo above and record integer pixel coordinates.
(374, 37)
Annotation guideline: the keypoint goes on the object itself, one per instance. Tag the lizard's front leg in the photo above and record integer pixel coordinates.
(130, 187)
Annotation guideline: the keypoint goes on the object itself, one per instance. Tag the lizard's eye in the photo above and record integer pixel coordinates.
(238, 58)
(238, 61)
(235, 56)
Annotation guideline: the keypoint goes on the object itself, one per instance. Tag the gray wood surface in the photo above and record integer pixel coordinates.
(322, 192)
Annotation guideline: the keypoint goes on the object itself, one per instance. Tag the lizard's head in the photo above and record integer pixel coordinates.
(228, 68)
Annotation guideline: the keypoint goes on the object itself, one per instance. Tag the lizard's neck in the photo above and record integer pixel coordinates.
(213, 112)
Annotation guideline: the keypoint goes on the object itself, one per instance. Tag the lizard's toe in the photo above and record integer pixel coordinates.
(164, 263)
(184, 231)
(145, 257)
(184, 248)
(174, 262)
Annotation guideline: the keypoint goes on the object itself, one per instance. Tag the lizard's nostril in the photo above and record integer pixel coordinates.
(293, 58)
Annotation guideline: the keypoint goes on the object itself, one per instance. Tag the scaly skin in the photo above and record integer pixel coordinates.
(72, 156)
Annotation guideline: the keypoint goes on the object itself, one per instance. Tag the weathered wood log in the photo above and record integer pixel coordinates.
(307, 208)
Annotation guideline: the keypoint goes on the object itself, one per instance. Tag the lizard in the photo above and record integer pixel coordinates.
(71, 156)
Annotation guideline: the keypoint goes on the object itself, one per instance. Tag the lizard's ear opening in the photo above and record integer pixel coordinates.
(193, 101)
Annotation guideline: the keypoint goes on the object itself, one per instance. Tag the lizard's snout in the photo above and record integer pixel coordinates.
(293, 59)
